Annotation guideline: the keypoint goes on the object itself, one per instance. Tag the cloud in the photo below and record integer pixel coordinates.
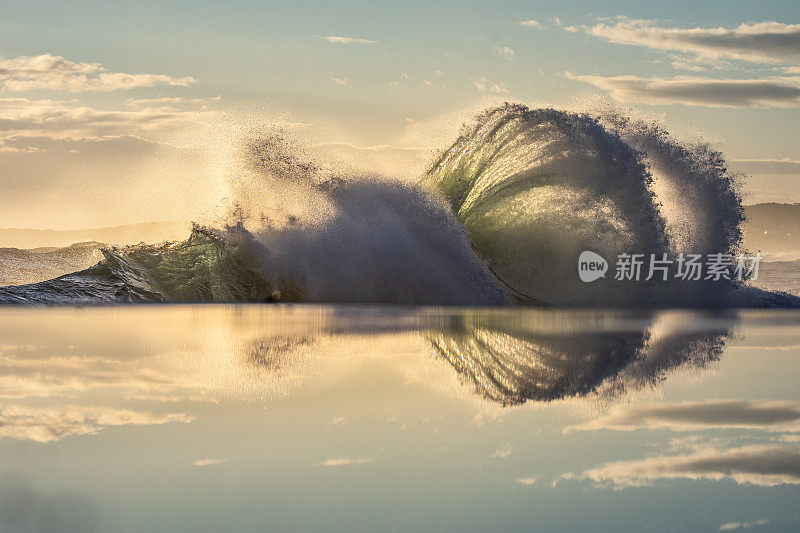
(761, 465)
(730, 526)
(528, 480)
(531, 23)
(336, 39)
(693, 416)
(766, 166)
(485, 86)
(506, 52)
(344, 461)
(209, 462)
(171, 101)
(11, 147)
(503, 451)
(699, 91)
(761, 42)
(338, 81)
(697, 64)
(336, 421)
(54, 423)
(479, 83)
(49, 72)
(68, 120)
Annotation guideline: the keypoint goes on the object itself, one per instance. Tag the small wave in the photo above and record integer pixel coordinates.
(21, 266)
(201, 269)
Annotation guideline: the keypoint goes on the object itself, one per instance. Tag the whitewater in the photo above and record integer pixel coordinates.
(499, 218)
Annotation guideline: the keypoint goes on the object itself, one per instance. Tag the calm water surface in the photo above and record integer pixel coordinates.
(242, 418)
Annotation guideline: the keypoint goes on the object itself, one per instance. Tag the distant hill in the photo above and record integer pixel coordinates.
(130, 234)
(773, 228)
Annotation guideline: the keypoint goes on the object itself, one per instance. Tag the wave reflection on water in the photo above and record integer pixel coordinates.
(220, 354)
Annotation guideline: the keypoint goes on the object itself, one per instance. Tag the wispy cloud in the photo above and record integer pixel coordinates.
(483, 85)
(503, 451)
(766, 166)
(698, 64)
(208, 461)
(693, 416)
(761, 42)
(171, 101)
(732, 526)
(345, 461)
(699, 91)
(531, 23)
(506, 52)
(762, 465)
(54, 423)
(341, 82)
(50, 72)
(69, 120)
(532, 480)
(336, 421)
(338, 39)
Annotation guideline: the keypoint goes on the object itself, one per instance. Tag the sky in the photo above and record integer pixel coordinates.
(119, 113)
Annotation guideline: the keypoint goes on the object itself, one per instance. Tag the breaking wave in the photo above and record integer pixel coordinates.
(501, 215)
(535, 188)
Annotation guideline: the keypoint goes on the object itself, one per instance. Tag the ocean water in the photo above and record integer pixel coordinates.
(342, 352)
(363, 418)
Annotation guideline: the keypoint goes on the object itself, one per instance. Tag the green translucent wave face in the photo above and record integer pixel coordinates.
(534, 188)
(200, 269)
(203, 268)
